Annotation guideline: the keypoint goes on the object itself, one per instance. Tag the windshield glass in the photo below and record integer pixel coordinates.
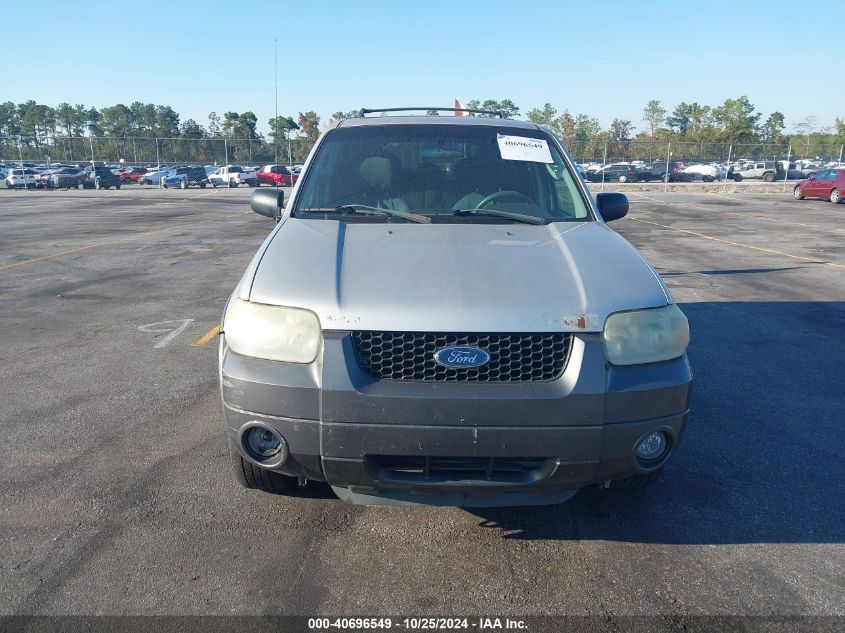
(436, 170)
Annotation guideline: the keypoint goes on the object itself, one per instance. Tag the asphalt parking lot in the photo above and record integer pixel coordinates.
(115, 489)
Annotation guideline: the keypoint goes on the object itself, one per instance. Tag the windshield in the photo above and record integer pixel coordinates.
(441, 171)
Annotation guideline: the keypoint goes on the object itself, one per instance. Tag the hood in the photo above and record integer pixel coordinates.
(454, 277)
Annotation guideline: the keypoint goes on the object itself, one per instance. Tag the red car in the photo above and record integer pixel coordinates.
(277, 176)
(828, 184)
(131, 174)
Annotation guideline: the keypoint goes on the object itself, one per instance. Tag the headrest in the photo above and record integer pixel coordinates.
(377, 171)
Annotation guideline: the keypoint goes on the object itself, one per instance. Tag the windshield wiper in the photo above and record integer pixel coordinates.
(364, 209)
(517, 217)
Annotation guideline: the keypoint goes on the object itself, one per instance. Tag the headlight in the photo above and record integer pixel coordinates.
(646, 336)
(290, 335)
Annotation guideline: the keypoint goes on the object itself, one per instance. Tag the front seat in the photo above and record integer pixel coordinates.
(379, 173)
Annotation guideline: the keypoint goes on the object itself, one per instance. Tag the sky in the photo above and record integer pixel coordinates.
(606, 59)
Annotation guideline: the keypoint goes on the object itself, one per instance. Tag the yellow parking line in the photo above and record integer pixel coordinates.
(749, 246)
(32, 260)
(204, 340)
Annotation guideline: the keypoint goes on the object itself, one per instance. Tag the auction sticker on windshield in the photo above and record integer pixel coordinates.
(535, 150)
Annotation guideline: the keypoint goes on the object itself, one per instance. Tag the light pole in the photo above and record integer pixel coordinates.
(276, 100)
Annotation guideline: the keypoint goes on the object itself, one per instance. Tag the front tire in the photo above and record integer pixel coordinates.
(835, 196)
(797, 193)
(769, 177)
(623, 178)
(707, 178)
(253, 477)
(737, 178)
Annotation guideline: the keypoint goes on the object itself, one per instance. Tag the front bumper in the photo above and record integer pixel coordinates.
(373, 441)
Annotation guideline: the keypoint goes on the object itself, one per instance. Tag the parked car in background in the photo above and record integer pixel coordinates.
(762, 170)
(20, 179)
(707, 173)
(276, 176)
(100, 177)
(153, 177)
(41, 178)
(184, 177)
(66, 178)
(614, 173)
(658, 171)
(828, 184)
(131, 174)
(232, 176)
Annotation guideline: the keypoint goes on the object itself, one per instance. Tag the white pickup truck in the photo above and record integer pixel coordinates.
(232, 176)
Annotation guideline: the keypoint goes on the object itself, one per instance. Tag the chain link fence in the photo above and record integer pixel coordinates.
(693, 152)
(599, 160)
(144, 152)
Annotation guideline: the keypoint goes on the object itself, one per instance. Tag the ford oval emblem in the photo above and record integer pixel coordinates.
(457, 357)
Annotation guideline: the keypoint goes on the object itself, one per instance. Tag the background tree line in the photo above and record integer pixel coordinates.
(43, 128)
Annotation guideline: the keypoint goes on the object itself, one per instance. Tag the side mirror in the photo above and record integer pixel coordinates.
(612, 205)
(268, 202)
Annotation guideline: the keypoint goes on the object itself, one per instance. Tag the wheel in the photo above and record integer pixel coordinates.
(202, 185)
(737, 178)
(9, 185)
(76, 185)
(665, 178)
(183, 185)
(706, 178)
(623, 178)
(117, 186)
(769, 177)
(797, 193)
(255, 478)
(233, 184)
(835, 196)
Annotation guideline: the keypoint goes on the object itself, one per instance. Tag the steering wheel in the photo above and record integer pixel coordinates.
(504, 194)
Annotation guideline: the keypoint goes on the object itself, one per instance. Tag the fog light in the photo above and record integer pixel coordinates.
(652, 447)
(262, 442)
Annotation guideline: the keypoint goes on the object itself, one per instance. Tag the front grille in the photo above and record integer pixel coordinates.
(410, 356)
(444, 469)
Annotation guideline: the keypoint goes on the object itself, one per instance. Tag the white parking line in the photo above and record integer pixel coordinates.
(759, 217)
(749, 246)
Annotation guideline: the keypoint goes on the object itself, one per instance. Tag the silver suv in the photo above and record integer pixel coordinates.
(442, 316)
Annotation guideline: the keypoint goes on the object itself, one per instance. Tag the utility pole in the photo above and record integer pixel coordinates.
(276, 119)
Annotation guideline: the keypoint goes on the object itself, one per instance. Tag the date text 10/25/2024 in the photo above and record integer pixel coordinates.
(416, 624)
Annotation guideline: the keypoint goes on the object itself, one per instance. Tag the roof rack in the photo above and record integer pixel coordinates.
(364, 111)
